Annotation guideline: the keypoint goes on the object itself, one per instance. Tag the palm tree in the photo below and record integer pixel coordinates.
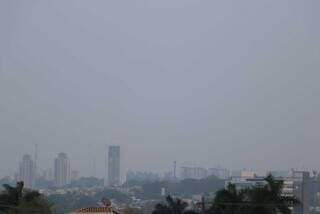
(265, 199)
(229, 201)
(259, 201)
(19, 200)
(172, 206)
(274, 195)
(269, 199)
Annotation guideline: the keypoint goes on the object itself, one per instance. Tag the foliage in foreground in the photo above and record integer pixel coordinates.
(265, 199)
(18, 200)
(64, 203)
(262, 199)
(173, 206)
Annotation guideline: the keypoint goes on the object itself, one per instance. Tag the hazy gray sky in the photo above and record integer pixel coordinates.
(230, 83)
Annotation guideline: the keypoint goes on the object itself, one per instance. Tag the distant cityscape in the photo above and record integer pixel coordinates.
(62, 174)
(62, 179)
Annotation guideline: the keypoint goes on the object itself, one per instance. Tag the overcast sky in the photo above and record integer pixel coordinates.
(208, 83)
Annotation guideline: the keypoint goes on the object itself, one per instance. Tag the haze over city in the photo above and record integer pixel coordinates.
(208, 83)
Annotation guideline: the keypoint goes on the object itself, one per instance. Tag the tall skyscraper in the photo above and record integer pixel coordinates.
(27, 171)
(61, 170)
(114, 173)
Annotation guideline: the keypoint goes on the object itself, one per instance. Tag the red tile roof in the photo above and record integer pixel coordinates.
(96, 210)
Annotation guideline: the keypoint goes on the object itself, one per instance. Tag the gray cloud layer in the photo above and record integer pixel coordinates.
(234, 83)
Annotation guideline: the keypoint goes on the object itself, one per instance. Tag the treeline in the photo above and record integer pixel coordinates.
(19, 200)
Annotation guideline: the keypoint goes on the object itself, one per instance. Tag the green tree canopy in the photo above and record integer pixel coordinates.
(172, 206)
(17, 200)
(265, 199)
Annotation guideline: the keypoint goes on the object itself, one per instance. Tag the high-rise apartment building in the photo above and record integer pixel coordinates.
(27, 171)
(114, 164)
(61, 170)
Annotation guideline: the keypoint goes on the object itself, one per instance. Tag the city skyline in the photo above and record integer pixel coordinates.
(115, 170)
(156, 107)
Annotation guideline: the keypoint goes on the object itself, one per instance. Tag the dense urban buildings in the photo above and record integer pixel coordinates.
(300, 184)
(142, 176)
(193, 172)
(221, 173)
(27, 171)
(187, 172)
(61, 170)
